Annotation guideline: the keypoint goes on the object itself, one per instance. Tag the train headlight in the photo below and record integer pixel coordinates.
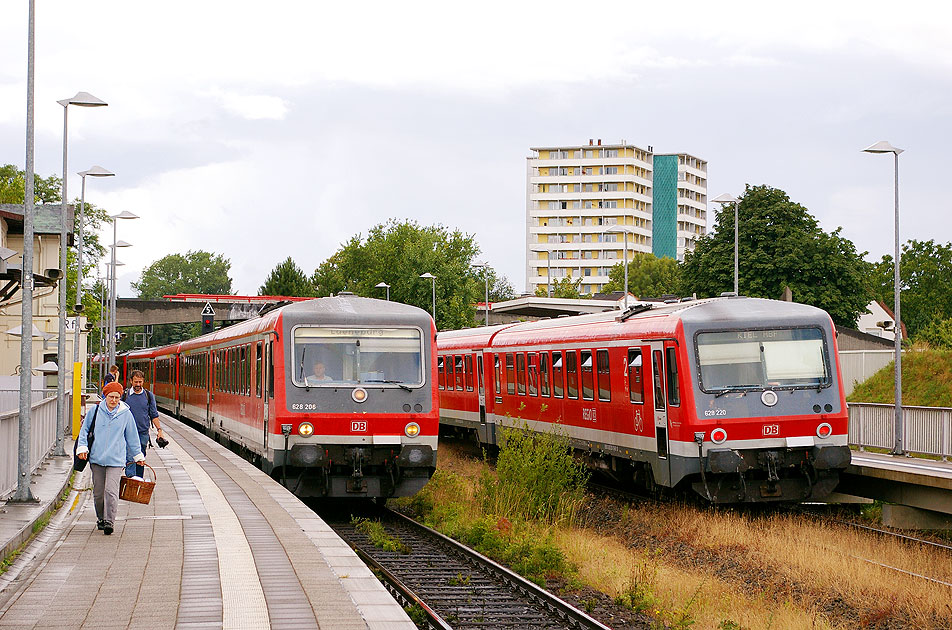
(824, 430)
(359, 394)
(769, 398)
(718, 436)
(412, 429)
(306, 429)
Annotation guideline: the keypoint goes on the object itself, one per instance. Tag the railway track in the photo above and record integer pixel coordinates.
(454, 586)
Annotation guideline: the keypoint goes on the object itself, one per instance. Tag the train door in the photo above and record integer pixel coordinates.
(662, 471)
(481, 391)
(267, 386)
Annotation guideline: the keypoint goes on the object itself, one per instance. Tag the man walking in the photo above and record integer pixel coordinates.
(142, 404)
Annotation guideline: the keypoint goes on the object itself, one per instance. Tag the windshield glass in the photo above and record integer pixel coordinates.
(760, 359)
(348, 356)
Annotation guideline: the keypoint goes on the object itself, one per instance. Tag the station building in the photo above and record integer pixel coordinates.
(580, 199)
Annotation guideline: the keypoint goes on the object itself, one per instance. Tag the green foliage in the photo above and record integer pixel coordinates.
(925, 283)
(192, 272)
(375, 531)
(780, 245)
(564, 288)
(926, 380)
(397, 253)
(537, 478)
(13, 186)
(937, 333)
(648, 276)
(287, 279)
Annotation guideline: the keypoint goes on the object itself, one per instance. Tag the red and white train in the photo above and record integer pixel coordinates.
(335, 396)
(739, 399)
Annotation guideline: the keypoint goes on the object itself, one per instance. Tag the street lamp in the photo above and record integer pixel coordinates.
(125, 214)
(82, 99)
(384, 285)
(626, 230)
(884, 147)
(433, 279)
(95, 171)
(485, 267)
(728, 198)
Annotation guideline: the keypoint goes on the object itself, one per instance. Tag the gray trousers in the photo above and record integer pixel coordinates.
(106, 490)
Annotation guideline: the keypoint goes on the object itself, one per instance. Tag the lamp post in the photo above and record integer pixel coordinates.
(884, 147)
(125, 214)
(107, 312)
(384, 285)
(82, 99)
(95, 171)
(433, 279)
(728, 198)
(626, 230)
(485, 268)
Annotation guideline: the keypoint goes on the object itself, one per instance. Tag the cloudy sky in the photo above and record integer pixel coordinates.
(262, 130)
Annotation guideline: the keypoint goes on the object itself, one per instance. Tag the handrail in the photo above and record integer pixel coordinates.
(927, 430)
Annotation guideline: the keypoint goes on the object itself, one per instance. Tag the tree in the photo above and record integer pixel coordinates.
(192, 272)
(937, 333)
(648, 276)
(397, 253)
(13, 186)
(780, 245)
(564, 288)
(925, 283)
(287, 279)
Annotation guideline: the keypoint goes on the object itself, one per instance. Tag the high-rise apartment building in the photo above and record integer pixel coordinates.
(579, 197)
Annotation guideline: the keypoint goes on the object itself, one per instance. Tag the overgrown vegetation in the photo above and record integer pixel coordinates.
(926, 380)
(378, 536)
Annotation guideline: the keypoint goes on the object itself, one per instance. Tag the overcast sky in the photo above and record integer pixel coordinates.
(262, 130)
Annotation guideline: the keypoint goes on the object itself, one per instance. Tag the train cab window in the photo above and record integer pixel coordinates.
(521, 373)
(571, 374)
(671, 367)
(459, 372)
(656, 379)
(636, 387)
(588, 376)
(326, 356)
(258, 358)
(510, 373)
(468, 368)
(441, 377)
(558, 375)
(497, 374)
(532, 373)
(544, 374)
(604, 375)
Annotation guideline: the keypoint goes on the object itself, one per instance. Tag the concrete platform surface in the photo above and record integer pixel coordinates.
(221, 545)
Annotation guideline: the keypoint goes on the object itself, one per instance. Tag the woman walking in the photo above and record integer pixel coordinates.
(114, 442)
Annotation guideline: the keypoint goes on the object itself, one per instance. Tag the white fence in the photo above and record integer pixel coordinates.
(859, 365)
(926, 430)
(42, 434)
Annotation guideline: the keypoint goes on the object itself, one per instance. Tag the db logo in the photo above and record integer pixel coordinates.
(771, 429)
(358, 427)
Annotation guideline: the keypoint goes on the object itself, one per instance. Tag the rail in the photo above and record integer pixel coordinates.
(42, 434)
(927, 430)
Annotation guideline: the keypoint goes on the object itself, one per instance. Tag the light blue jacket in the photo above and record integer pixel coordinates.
(116, 439)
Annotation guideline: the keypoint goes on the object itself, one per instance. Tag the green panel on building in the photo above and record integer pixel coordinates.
(664, 203)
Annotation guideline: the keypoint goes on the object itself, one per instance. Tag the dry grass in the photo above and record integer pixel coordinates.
(724, 569)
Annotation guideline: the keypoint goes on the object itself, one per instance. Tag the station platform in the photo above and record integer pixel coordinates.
(221, 545)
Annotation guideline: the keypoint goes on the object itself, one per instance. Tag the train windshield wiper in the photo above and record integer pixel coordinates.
(400, 384)
(732, 390)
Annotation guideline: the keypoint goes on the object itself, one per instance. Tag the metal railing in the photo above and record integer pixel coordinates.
(42, 434)
(927, 430)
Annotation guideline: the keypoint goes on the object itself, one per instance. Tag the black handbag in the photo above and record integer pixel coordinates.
(79, 465)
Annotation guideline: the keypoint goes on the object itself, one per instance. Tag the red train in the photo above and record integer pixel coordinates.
(739, 399)
(335, 396)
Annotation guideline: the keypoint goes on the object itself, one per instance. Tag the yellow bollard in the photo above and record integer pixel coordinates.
(77, 397)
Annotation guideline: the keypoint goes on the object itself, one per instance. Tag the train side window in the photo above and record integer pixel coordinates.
(656, 378)
(588, 376)
(243, 358)
(544, 374)
(533, 373)
(604, 375)
(521, 373)
(571, 374)
(510, 373)
(497, 374)
(636, 388)
(459, 372)
(558, 376)
(674, 392)
(468, 366)
(450, 379)
(479, 376)
(258, 358)
(270, 363)
(441, 377)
